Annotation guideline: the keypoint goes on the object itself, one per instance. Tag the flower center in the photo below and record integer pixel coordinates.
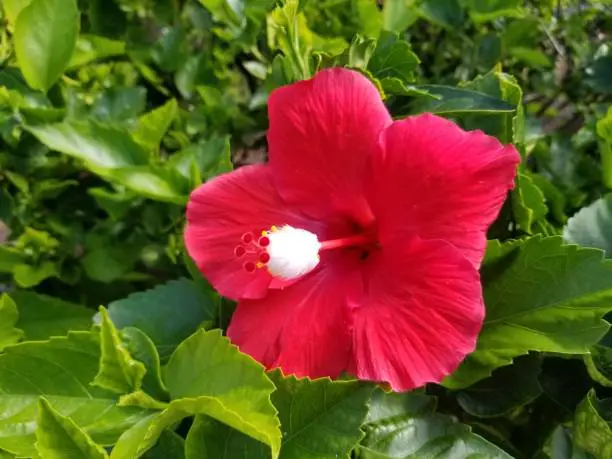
(289, 252)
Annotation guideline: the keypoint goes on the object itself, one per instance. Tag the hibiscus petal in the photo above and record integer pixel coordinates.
(220, 212)
(435, 180)
(420, 316)
(321, 132)
(304, 329)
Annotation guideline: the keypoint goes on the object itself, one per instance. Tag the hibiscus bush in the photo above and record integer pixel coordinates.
(317, 229)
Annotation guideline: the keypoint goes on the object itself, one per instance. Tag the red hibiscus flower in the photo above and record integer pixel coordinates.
(356, 248)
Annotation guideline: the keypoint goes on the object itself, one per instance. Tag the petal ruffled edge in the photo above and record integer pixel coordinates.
(433, 179)
(321, 133)
(420, 316)
(303, 329)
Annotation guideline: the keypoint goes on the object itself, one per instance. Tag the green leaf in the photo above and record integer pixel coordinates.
(116, 204)
(533, 57)
(592, 426)
(398, 15)
(45, 37)
(107, 18)
(118, 371)
(599, 75)
(58, 437)
(489, 50)
(59, 369)
(288, 31)
(92, 47)
(209, 158)
(599, 364)
(320, 416)
(10, 259)
(489, 10)
(528, 203)
(211, 439)
(509, 388)
(227, 11)
(152, 126)
(42, 316)
(393, 58)
(27, 276)
(100, 146)
(168, 313)
(12, 8)
(8, 319)
(20, 182)
(169, 446)
(591, 226)
(139, 439)
(604, 132)
(458, 100)
(360, 52)
(107, 264)
(51, 188)
(119, 103)
(446, 13)
(242, 403)
(507, 127)
(560, 446)
(406, 426)
(140, 346)
(541, 296)
(154, 182)
(143, 400)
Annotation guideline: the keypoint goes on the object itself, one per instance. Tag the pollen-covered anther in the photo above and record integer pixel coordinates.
(292, 252)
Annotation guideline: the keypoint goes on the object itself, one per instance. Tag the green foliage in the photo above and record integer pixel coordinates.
(542, 296)
(320, 416)
(45, 37)
(118, 371)
(590, 227)
(58, 437)
(167, 314)
(243, 404)
(9, 334)
(407, 426)
(113, 111)
(59, 370)
(42, 316)
(592, 426)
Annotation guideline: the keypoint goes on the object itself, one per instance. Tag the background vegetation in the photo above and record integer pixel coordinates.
(112, 111)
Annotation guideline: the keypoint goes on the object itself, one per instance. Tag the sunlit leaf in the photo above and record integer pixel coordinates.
(45, 38)
(542, 296)
(58, 437)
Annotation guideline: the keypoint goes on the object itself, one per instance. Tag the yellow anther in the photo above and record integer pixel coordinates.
(273, 228)
(264, 233)
(259, 264)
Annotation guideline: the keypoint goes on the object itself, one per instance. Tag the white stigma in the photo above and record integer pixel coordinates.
(293, 252)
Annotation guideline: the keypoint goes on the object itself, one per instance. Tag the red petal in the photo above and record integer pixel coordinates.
(435, 180)
(220, 212)
(303, 329)
(321, 132)
(420, 316)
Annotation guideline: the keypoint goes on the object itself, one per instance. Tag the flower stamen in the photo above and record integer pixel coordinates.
(288, 252)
